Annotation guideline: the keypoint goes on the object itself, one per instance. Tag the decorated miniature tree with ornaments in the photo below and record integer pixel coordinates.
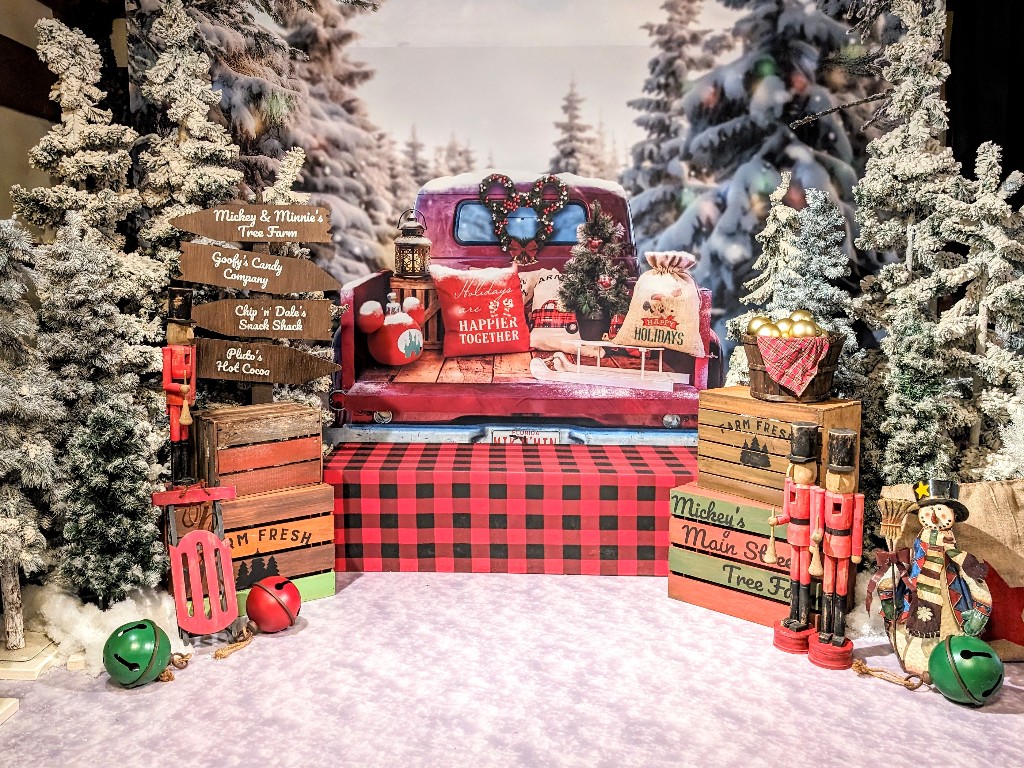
(593, 283)
(28, 414)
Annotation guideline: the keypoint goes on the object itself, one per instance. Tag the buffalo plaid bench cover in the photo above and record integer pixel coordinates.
(483, 508)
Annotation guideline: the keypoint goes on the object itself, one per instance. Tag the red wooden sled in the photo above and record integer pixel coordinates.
(204, 583)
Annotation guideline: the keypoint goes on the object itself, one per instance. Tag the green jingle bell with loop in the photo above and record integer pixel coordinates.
(136, 653)
(966, 670)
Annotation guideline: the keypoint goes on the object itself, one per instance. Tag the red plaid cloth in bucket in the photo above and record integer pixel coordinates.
(792, 363)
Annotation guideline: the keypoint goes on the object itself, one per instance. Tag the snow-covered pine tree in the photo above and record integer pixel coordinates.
(416, 163)
(111, 528)
(250, 68)
(85, 152)
(906, 199)
(737, 135)
(344, 169)
(89, 159)
(575, 148)
(95, 356)
(282, 192)
(402, 187)
(28, 413)
(659, 172)
(190, 164)
(1008, 462)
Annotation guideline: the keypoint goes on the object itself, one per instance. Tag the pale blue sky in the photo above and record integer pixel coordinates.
(494, 72)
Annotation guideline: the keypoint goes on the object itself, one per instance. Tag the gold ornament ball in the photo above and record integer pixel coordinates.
(756, 322)
(785, 325)
(803, 328)
(819, 331)
(801, 314)
(769, 329)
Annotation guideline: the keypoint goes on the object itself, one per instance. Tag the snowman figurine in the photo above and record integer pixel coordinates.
(947, 595)
(395, 334)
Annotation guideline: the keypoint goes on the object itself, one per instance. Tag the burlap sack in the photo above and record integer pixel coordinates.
(994, 533)
(665, 308)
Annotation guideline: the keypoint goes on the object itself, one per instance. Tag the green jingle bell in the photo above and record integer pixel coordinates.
(966, 670)
(136, 653)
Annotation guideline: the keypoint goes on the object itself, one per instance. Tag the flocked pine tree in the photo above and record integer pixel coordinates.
(28, 413)
(282, 192)
(576, 146)
(111, 529)
(89, 159)
(93, 351)
(190, 163)
(737, 136)
(594, 281)
(402, 187)
(87, 154)
(1008, 462)
(416, 163)
(344, 169)
(945, 361)
(658, 180)
(250, 68)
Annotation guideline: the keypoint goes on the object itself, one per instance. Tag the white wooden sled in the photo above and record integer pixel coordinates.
(564, 369)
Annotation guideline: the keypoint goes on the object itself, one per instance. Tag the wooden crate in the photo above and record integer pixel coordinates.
(278, 533)
(742, 443)
(282, 521)
(259, 448)
(716, 544)
(423, 289)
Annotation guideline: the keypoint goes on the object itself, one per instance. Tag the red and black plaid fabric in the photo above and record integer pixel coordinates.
(792, 362)
(483, 508)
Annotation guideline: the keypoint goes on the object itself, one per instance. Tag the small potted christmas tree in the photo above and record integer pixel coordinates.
(593, 285)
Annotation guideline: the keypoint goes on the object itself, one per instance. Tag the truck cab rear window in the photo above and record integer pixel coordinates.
(474, 224)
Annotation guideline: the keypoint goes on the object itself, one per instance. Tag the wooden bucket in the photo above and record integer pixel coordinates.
(764, 387)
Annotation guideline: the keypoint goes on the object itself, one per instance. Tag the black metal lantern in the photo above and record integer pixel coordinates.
(412, 247)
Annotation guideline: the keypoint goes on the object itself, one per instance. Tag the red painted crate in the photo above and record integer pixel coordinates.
(483, 508)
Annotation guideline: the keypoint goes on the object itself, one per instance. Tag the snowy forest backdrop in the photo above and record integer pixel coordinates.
(686, 102)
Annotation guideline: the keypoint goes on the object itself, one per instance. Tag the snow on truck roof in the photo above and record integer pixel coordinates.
(469, 183)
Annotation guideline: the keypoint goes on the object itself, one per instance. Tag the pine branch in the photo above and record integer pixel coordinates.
(858, 102)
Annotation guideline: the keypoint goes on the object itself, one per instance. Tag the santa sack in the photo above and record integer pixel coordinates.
(665, 308)
(552, 328)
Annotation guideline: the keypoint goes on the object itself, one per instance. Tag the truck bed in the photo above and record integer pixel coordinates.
(496, 387)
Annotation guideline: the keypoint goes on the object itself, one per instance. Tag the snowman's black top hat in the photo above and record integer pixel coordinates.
(936, 491)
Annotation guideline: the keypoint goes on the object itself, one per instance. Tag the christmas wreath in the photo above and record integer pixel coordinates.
(498, 193)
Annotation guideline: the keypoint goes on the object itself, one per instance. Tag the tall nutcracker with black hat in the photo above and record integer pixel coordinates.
(838, 522)
(792, 632)
(179, 381)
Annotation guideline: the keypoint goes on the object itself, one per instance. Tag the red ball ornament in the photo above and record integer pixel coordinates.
(273, 604)
(605, 282)
(594, 245)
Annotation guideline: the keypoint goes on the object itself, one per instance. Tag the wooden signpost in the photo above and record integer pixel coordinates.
(264, 273)
(266, 318)
(251, 271)
(259, 223)
(260, 363)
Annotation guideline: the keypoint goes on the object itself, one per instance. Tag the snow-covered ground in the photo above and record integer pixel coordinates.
(411, 670)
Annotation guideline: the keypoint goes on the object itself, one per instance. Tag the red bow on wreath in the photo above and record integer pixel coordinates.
(523, 254)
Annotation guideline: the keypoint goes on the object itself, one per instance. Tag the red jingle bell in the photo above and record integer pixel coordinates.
(273, 604)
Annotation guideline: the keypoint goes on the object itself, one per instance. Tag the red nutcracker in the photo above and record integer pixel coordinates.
(179, 384)
(796, 515)
(839, 526)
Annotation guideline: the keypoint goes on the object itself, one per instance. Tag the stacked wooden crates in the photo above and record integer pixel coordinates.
(718, 529)
(281, 522)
